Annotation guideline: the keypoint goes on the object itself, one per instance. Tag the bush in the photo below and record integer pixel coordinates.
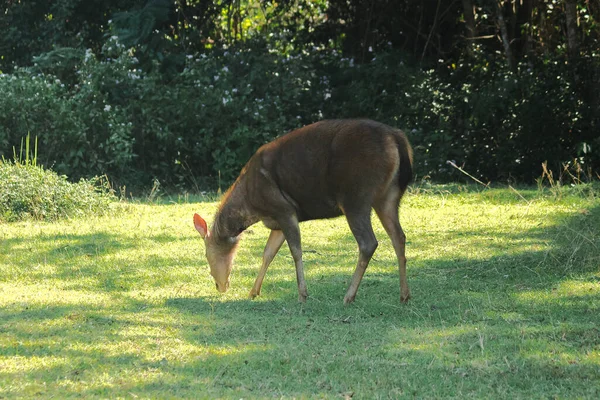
(502, 126)
(204, 121)
(80, 135)
(31, 192)
(135, 127)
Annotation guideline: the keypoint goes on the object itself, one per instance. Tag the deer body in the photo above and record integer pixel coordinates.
(323, 170)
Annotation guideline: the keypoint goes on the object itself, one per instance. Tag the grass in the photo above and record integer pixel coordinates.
(505, 285)
(28, 191)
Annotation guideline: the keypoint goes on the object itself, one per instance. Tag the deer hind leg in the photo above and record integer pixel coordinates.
(387, 211)
(276, 239)
(360, 225)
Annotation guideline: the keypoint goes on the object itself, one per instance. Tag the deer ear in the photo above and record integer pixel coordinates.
(201, 226)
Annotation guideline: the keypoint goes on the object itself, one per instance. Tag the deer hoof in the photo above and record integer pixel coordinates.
(348, 299)
(405, 298)
(302, 298)
(253, 294)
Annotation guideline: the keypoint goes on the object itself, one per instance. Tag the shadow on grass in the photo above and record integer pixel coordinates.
(103, 261)
(518, 325)
(522, 323)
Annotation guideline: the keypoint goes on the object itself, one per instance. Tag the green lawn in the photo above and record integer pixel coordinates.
(505, 286)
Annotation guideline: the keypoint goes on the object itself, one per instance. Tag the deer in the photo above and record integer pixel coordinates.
(323, 170)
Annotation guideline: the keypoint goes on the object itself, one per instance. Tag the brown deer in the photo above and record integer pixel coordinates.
(319, 171)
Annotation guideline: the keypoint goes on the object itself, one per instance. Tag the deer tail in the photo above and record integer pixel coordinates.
(405, 170)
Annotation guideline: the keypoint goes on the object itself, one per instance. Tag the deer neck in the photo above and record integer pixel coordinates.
(234, 214)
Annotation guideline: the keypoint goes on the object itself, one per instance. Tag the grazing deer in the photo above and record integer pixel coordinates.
(319, 171)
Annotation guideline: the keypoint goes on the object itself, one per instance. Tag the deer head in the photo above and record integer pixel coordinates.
(220, 253)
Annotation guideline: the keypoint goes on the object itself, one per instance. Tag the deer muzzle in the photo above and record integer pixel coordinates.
(223, 286)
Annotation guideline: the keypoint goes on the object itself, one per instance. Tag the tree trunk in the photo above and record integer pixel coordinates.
(524, 31)
(572, 40)
(469, 14)
(510, 58)
(469, 18)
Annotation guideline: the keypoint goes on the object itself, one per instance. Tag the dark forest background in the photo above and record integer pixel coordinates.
(184, 91)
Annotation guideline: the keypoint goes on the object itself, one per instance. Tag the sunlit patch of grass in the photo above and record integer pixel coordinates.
(565, 292)
(41, 294)
(506, 293)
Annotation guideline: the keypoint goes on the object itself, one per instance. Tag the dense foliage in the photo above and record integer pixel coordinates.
(185, 91)
(28, 191)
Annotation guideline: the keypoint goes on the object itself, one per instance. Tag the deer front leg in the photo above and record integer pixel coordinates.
(291, 230)
(276, 239)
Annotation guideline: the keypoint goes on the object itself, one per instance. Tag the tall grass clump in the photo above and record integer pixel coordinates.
(28, 191)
